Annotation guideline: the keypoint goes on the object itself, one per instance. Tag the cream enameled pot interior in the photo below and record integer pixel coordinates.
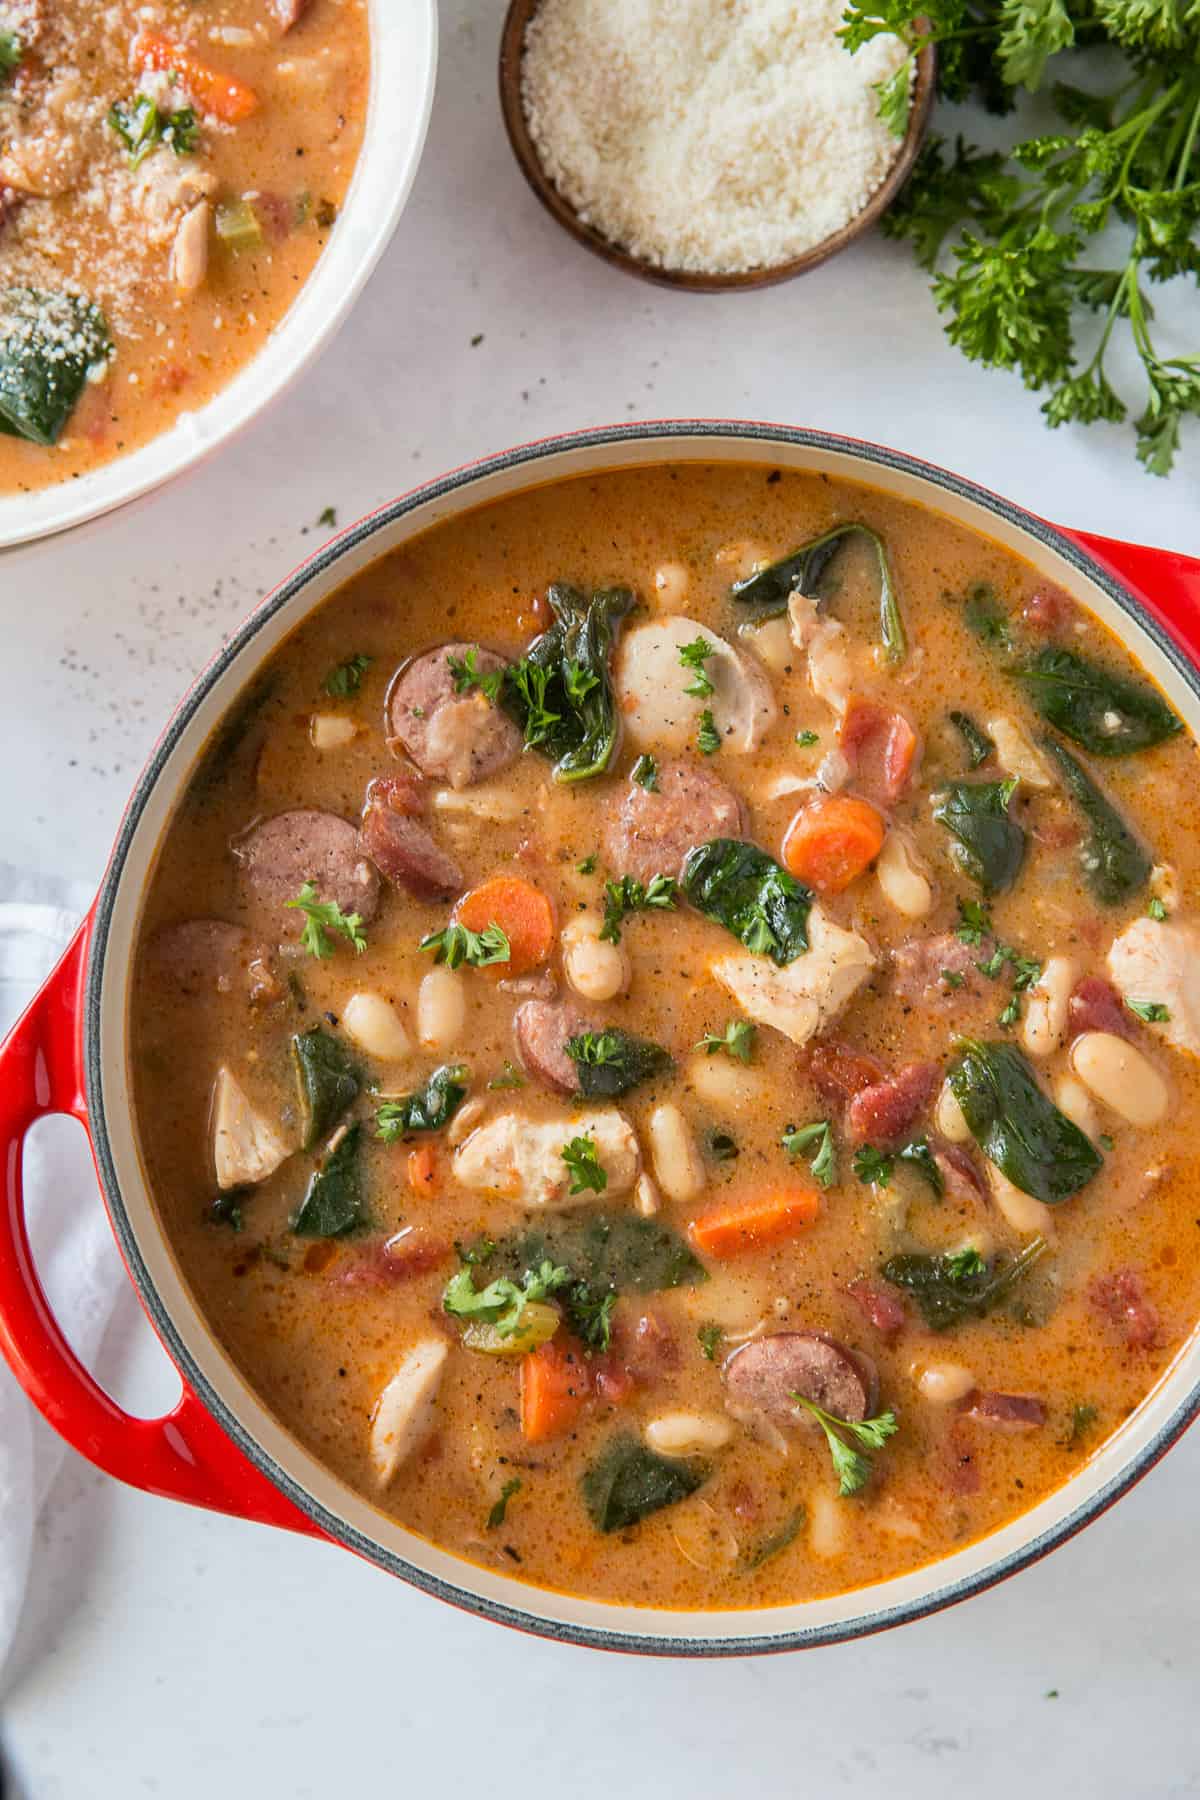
(334, 1506)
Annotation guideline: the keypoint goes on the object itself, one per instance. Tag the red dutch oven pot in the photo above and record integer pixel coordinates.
(219, 1448)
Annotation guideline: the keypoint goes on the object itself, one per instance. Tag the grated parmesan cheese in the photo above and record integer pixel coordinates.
(710, 135)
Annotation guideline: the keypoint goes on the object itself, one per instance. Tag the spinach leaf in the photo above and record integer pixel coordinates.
(613, 1061)
(776, 1541)
(328, 1081)
(769, 590)
(953, 1288)
(1018, 1129)
(919, 1157)
(429, 1109)
(617, 1251)
(1106, 713)
(48, 344)
(627, 1483)
(744, 889)
(979, 744)
(986, 619)
(990, 846)
(1114, 863)
(560, 693)
(333, 1204)
(229, 738)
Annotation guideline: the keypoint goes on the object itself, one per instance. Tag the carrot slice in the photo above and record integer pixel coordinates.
(230, 99)
(751, 1225)
(422, 1164)
(831, 841)
(555, 1384)
(521, 911)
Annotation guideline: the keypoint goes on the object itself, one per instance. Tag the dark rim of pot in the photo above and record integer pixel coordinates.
(529, 455)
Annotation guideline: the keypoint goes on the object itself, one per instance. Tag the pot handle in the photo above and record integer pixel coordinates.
(1167, 581)
(184, 1456)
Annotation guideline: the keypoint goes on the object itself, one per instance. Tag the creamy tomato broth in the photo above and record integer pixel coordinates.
(605, 1202)
(169, 175)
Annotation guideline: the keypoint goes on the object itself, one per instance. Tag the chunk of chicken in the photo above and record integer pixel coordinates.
(405, 1410)
(1159, 960)
(823, 642)
(246, 1147)
(650, 682)
(1017, 754)
(521, 1159)
(807, 995)
(188, 265)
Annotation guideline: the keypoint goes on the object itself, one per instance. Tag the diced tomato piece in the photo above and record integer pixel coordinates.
(882, 749)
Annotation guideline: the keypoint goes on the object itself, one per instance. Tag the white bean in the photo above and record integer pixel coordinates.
(441, 1009)
(827, 1516)
(188, 262)
(466, 1119)
(376, 1027)
(951, 1120)
(942, 1382)
(677, 1163)
(671, 585)
(1029, 1217)
(1045, 1024)
(772, 644)
(331, 731)
(903, 882)
(596, 970)
(688, 1433)
(1016, 754)
(1119, 1074)
(721, 1082)
(1073, 1099)
(646, 1197)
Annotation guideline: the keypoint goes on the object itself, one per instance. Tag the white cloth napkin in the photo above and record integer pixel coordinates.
(72, 1241)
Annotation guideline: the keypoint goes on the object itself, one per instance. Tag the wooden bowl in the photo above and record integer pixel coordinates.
(512, 46)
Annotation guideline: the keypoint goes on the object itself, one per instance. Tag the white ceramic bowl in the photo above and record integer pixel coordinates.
(403, 70)
(221, 1447)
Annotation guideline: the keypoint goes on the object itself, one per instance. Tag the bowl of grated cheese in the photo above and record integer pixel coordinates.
(704, 144)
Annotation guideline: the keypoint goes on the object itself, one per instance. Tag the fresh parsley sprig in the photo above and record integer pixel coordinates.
(628, 895)
(693, 656)
(456, 944)
(323, 916)
(502, 1303)
(586, 1170)
(851, 1466)
(737, 1040)
(815, 1141)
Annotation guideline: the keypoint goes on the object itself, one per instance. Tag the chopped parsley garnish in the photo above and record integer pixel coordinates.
(815, 1141)
(502, 1303)
(428, 1109)
(952, 978)
(851, 1467)
(467, 674)
(737, 1040)
(974, 922)
(509, 1077)
(11, 52)
(346, 678)
(708, 738)
(1156, 909)
(711, 1338)
(1154, 1012)
(645, 773)
(141, 128)
(498, 1512)
(579, 681)
(1083, 1417)
(327, 516)
(629, 896)
(588, 865)
(806, 739)
(323, 916)
(693, 656)
(456, 944)
(532, 681)
(872, 1167)
(586, 1170)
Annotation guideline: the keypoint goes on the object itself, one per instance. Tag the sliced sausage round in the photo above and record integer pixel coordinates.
(200, 956)
(763, 1376)
(1013, 1412)
(964, 1180)
(543, 1028)
(838, 1071)
(921, 966)
(278, 855)
(654, 828)
(400, 846)
(457, 738)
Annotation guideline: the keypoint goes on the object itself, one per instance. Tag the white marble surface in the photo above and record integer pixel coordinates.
(176, 1653)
